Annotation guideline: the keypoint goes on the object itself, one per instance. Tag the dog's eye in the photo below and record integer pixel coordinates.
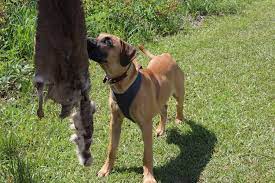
(108, 41)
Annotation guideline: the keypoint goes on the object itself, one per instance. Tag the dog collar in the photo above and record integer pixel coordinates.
(117, 79)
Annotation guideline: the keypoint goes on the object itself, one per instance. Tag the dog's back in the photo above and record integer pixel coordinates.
(163, 64)
(166, 75)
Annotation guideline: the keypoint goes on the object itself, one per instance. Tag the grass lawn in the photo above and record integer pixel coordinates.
(229, 132)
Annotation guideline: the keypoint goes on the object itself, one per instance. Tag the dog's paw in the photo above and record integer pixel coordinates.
(149, 179)
(160, 131)
(179, 121)
(104, 171)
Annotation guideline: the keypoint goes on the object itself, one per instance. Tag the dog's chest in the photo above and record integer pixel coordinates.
(125, 99)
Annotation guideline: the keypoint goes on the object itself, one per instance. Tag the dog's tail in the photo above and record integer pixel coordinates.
(146, 52)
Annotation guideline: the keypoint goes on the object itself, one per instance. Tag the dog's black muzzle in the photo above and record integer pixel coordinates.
(95, 51)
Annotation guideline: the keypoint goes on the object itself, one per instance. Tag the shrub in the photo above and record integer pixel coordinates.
(16, 40)
(134, 21)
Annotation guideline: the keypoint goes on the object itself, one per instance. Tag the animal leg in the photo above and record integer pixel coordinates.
(163, 118)
(148, 176)
(40, 87)
(115, 129)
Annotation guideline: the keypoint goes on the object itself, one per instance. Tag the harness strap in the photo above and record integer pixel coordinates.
(125, 99)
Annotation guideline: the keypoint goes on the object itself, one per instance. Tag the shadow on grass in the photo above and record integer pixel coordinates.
(196, 148)
(14, 168)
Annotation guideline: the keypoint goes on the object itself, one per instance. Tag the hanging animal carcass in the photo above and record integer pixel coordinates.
(61, 67)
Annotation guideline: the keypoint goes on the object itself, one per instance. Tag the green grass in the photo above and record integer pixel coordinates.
(229, 134)
(13, 167)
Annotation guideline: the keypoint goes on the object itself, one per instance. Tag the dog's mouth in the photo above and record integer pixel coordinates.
(95, 52)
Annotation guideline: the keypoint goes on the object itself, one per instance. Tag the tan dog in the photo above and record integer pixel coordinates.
(161, 79)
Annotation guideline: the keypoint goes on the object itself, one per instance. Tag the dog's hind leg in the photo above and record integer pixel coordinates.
(163, 118)
(179, 117)
(179, 96)
(148, 176)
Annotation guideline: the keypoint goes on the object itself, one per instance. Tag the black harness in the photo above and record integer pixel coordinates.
(124, 100)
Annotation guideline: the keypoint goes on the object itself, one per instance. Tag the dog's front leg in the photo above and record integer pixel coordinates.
(115, 129)
(148, 176)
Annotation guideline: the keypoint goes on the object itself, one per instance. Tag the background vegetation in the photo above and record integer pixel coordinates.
(134, 21)
(228, 62)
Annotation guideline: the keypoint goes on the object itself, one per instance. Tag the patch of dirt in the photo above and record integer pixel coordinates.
(196, 21)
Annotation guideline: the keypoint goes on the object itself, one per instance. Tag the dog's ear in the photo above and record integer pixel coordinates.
(127, 54)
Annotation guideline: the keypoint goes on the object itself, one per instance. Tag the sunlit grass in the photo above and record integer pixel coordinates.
(228, 135)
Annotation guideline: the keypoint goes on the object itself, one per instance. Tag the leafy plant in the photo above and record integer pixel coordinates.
(134, 21)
